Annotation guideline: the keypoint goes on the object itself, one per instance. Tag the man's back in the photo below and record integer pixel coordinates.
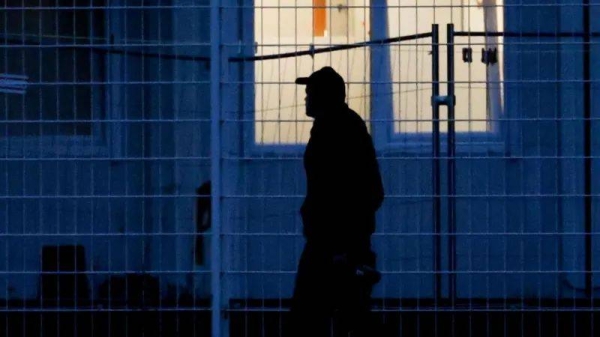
(344, 187)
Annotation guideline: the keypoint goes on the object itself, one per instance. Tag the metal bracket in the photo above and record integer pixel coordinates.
(13, 84)
(467, 55)
(443, 100)
(489, 56)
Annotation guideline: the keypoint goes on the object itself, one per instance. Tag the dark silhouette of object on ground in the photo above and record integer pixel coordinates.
(203, 220)
(63, 281)
(132, 290)
(337, 271)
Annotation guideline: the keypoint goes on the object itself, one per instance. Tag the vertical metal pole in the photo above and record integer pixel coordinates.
(587, 147)
(435, 178)
(382, 101)
(215, 153)
(451, 164)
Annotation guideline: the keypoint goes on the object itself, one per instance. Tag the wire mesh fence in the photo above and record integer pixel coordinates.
(152, 162)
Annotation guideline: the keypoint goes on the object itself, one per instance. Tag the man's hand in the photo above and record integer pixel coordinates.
(343, 264)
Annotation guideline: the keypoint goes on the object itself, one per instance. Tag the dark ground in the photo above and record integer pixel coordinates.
(130, 305)
(186, 321)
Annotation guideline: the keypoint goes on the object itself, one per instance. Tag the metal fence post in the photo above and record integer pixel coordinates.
(451, 166)
(215, 154)
(587, 149)
(435, 54)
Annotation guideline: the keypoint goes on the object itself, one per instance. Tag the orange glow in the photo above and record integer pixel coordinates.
(319, 17)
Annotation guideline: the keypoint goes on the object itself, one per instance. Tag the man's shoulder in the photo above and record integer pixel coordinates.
(357, 123)
(343, 122)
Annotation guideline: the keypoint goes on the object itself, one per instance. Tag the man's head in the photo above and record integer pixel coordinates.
(325, 90)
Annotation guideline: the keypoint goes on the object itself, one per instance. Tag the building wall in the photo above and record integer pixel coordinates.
(127, 195)
(519, 189)
(141, 178)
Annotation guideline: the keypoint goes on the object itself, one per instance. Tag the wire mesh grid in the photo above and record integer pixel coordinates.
(152, 155)
(106, 168)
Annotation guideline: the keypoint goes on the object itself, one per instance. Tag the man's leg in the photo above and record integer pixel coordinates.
(352, 317)
(353, 301)
(311, 310)
(310, 321)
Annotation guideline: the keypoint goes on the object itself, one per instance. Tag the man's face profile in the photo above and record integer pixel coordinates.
(309, 103)
(316, 103)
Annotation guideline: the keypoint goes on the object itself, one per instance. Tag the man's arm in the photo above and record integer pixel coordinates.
(376, 190)
(369, 184)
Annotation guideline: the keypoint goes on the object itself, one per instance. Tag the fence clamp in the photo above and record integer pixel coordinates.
(311, 50)
(443, 100)
(489, 56)
(13, 84)
(467, 55)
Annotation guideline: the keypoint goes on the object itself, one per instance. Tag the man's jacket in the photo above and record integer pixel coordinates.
(344, 185)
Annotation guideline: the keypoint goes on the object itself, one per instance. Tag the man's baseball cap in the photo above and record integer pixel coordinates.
(325, 80)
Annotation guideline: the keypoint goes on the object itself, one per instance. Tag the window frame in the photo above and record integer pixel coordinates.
(385, 138)
(492, 141)
(104, 138)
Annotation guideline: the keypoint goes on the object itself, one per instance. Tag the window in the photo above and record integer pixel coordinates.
(477, 87)
(51, 48)
(283, 26)
(330, 18)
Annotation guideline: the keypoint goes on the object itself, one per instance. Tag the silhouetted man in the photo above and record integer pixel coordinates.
(336, 272)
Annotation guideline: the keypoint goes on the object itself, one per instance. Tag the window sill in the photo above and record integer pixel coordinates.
(275, 151)
(52, 146)
(465, 144)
